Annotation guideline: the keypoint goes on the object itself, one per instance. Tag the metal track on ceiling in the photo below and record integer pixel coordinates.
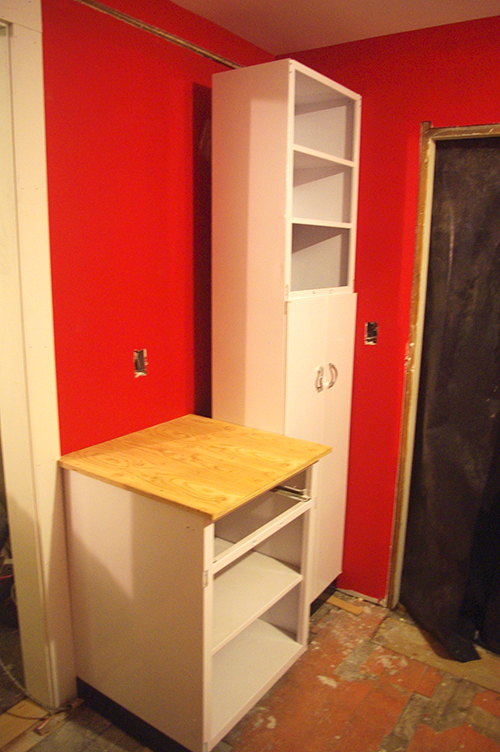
(158, 32)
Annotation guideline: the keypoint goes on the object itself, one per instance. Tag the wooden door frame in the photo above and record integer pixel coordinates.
(28, 395)
(429, 136)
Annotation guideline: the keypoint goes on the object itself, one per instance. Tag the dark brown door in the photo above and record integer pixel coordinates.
(455, 487)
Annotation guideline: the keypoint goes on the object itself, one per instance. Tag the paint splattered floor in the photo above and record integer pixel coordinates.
(370, 682)
(373, 683)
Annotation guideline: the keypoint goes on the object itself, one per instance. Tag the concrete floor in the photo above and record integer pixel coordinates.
(370, 682)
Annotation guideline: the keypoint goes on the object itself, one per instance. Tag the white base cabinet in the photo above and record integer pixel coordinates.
(185, 613)
(285, 181)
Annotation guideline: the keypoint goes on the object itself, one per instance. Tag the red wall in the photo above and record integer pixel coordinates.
(450, 76)
(129, 205)
(129, 211)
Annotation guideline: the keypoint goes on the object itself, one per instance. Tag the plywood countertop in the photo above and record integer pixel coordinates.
(206, 465)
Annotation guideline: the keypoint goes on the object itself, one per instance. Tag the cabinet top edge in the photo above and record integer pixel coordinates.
(206, 465)
(293, 65)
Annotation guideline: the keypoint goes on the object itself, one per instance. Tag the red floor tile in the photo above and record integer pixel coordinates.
(337, 700)
(375, 718)
(489, 701)
(429, 681)
(460, 739)
(299, 719)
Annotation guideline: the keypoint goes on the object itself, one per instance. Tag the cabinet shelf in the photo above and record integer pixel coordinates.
(245, 590)
(243, 669)
(304, 156)
(321, 223)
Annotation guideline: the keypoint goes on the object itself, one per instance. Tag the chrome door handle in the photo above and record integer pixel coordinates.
(334, 374)
(319, 379)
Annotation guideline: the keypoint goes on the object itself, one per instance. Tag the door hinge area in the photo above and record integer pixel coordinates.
(205, 578)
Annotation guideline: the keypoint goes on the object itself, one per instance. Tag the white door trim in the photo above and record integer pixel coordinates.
(28, 398)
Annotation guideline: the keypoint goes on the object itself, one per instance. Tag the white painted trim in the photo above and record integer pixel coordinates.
(26, 13)
(28, 398)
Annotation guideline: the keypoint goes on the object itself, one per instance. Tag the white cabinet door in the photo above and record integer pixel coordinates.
(320, 344)
(341, 315)
(306, 354)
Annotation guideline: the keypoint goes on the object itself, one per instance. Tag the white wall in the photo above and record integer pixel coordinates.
(28, 400)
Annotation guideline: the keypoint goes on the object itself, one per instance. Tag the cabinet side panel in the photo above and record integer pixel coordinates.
(250, 139)
(354, 191)
(137, 599)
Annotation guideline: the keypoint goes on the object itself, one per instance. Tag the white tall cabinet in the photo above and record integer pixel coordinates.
(285, 181)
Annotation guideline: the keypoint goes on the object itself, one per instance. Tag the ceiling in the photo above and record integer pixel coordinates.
(282, 26)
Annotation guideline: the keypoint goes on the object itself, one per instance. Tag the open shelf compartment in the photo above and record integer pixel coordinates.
(255, 523)
(320, 256)
(245, 590)
(321, 188)
(323, 117)
(245, 669)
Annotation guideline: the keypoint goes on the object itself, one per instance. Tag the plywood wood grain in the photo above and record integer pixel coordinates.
(206, 465)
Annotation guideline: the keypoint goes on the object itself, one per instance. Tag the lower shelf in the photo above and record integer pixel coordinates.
(245, 669)
(246, 590)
